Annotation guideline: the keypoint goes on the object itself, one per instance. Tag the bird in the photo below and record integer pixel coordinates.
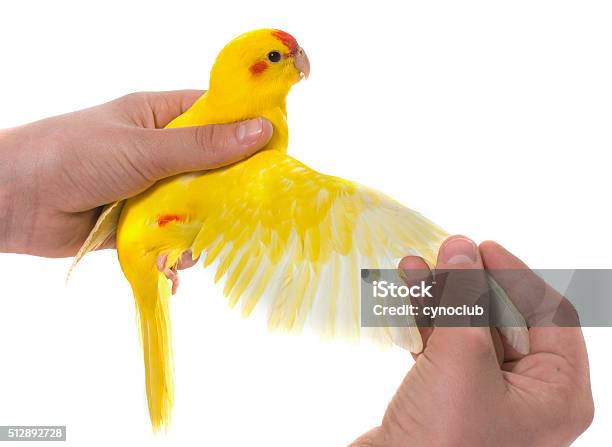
(283, 236)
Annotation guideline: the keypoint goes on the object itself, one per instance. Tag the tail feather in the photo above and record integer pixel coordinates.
(152, 294)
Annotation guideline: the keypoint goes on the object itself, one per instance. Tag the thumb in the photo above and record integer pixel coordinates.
(465, 282)
(185, 149)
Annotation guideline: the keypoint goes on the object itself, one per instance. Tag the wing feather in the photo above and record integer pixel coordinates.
(295, 246)
(105, 227)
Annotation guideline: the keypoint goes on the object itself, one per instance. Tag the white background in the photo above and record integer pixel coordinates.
(491, 118)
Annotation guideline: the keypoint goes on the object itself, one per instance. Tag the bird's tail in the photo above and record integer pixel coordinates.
(152, 294)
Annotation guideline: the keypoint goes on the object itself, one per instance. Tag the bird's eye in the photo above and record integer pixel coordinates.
(274, 56)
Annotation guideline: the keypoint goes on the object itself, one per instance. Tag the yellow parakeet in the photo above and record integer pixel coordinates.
(285, 236)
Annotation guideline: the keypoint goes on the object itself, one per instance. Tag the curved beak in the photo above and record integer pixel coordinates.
(301, 62)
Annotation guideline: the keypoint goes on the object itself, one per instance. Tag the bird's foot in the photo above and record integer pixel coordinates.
(168, 271)
(184, 262)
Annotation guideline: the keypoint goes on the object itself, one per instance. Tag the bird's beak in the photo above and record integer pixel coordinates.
(301, 62)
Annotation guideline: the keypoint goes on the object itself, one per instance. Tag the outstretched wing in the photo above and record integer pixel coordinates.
(293, 241)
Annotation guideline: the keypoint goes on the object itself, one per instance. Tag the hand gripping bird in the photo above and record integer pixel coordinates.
(283, 236)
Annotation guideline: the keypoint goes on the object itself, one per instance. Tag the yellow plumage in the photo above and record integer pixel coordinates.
(285, 237)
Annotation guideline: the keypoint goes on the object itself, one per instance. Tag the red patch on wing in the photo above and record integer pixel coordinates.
(167, 218)
(258, 67)
(287, 39)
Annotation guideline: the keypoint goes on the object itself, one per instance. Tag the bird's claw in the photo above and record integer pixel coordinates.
(184, 262)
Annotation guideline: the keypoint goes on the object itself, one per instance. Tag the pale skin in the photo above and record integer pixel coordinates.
(55, 175)
(461, 392)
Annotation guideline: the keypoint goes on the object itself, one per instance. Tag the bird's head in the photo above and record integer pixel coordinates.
(258, 67)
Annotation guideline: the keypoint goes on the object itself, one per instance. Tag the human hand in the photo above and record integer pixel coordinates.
(55, 174)
(457, 393)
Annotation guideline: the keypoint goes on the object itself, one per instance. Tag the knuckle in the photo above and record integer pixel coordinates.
(136, 106)
(136, 100)
(133, 98)
(587, 414)
(566, 314)
(210, 138)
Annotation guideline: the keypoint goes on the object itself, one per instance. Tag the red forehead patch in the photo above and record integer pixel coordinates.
(287, 39)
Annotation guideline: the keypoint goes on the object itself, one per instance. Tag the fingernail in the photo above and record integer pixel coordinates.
(248, 132)
(459, 250)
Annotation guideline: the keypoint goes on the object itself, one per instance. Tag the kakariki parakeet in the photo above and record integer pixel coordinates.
(284, 236)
